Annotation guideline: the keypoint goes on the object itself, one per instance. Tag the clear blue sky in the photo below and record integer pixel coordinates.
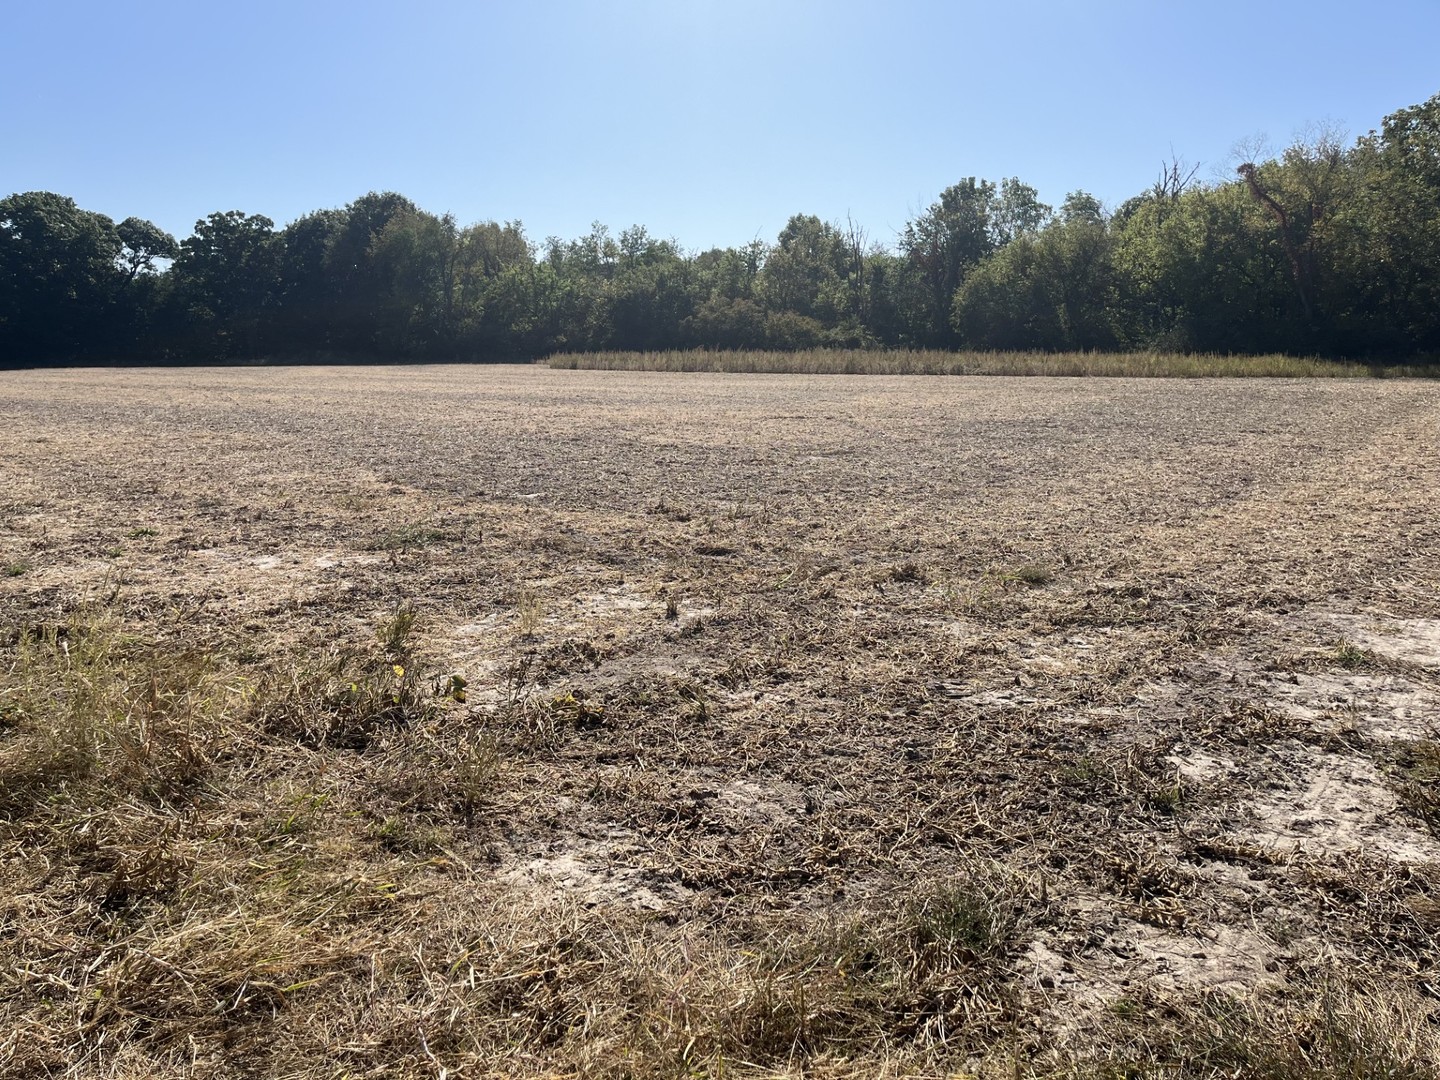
(711, 121)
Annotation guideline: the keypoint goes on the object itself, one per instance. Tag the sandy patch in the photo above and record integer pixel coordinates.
(1416, 641)
(1334, 803)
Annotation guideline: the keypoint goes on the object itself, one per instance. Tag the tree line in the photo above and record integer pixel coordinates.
(1325, 248)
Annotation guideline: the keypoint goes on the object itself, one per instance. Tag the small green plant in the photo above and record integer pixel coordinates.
(142, 533)
(1126, 1008)
(1168, 797)
(395, 632)
(454, 688)
(15, 569)
(1084, 770)
(960, 919)
(1351, 657)
(299, 820)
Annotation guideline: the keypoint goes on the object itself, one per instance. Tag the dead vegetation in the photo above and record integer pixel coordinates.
(513, 722)
(938, 362)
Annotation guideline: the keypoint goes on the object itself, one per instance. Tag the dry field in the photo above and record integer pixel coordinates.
(819, 726)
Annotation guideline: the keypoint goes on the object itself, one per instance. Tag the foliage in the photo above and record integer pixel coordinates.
(1325, 249)
(58, 280)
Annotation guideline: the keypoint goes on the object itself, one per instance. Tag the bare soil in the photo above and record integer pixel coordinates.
(750, 649)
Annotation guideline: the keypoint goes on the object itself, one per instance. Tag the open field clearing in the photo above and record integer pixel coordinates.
(511, 721)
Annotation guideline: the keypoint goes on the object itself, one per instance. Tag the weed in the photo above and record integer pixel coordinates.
(695, 702)
(400, 835)
(1083, 771)
(346, 697)
(909, 573)
(15, 569)
(1417, 783)
(961, 922)
(529, 613)
(521, 709)
(1168, 797)
(475, 773)
(408, 537)
(571, 711)
(1127, 1008)
(1351, 657)
(453, 688)
(1033, 574)
(395, 632)
(301, 819)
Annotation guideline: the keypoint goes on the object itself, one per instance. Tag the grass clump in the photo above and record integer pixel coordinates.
(1325, 1027)
(1417, 783)
(91, 704)
(409, 537)
(1352, 657)
(1032, 574)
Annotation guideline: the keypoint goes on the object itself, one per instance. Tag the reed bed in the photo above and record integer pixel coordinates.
(1148, 365)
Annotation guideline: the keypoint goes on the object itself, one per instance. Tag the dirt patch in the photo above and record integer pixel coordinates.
(1332, 803)
(593, 878)
(1415, 641)
(1379, 707)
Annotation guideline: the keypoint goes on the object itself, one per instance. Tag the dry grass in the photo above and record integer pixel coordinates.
(934, 362)
(513, 722)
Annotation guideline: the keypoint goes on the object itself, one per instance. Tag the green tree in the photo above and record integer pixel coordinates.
(59, 281)
(358, 282)
(1300, 195)
(306, 320)
(805, 270)
(724, 322)
(226, 283)
(1047, 290)
(651, 293)
(955, 234)
(143, 243)
(1017, 211)
(418, 257)
(1393, 259)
